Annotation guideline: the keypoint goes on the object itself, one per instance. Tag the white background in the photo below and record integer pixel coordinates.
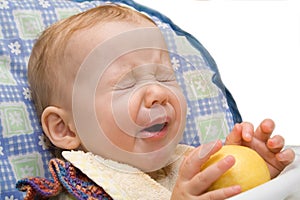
(256, 45)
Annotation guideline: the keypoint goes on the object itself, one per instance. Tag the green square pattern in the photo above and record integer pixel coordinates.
(27, 165)
(183, 47)
(212, 127)
(29, 23)
(64, 13)
(199, 84)
(15, 119)
(5, 75)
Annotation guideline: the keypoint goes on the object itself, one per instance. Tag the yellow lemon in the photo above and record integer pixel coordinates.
(249, 170)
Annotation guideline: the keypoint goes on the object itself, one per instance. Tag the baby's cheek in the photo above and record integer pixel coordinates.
(135, 104)
(179, 102)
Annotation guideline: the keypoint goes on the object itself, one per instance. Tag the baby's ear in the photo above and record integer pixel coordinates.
(58, 126)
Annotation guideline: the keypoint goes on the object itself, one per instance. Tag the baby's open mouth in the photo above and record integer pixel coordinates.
(155, 131)
(156, 127)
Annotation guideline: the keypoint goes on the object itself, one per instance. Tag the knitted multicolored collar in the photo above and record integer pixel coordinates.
(65, 178)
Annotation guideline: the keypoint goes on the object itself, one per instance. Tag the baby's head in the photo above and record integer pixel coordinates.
(102, 82)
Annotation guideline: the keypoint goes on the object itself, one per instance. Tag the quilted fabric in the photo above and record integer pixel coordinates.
(23, 151)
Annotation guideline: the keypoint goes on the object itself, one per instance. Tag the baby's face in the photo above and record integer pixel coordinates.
(139, 107)
(139, 103)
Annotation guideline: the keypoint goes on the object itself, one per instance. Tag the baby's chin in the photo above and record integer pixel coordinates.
(153, 160)
(152, 163)
(155, 156)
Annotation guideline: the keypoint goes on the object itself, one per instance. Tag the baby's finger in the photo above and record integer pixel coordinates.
(192, 163)
(247, 131)
(223, 193)
(235, 136)
(264, 130)
(283, 159)
(201, 182)
(286, 156)
(275, 144)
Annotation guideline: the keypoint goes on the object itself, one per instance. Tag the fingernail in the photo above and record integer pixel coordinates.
(230, 159)
(237, 188)
(248, 136)
(206, 148)
(281, 156)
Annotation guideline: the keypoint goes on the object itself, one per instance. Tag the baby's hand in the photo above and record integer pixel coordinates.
(270, 148)
(192, 184)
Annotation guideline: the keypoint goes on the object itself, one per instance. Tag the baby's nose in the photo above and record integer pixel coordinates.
(155, 94)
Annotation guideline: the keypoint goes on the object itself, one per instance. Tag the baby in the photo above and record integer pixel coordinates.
(104, 88)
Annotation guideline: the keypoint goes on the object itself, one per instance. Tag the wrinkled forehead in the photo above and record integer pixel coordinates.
(124, 45)
(83, 42)
(143, 40)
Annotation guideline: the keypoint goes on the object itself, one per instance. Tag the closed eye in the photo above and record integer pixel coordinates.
(165, 75)
(124, 85)
(166, 78)
(126, 82)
